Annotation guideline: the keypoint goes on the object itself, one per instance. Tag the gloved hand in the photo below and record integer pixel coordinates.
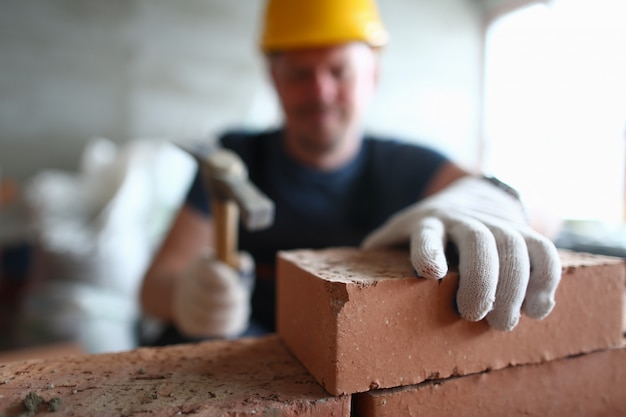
(211, 299)
(504, 265)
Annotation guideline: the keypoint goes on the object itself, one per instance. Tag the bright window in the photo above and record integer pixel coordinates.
(555, 106)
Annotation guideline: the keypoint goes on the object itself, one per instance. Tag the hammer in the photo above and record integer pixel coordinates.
(232, 194)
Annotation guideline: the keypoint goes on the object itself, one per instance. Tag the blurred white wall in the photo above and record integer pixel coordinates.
(125, 69)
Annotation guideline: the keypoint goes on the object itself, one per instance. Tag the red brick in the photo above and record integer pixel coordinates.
(587, 385)
(360, 320)
(244, 378)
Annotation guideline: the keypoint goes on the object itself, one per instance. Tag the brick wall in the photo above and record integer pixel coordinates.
(539, 368)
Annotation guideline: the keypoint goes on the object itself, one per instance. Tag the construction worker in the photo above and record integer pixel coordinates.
(335, 186)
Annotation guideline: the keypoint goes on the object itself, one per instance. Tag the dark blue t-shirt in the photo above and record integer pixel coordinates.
(317, 209)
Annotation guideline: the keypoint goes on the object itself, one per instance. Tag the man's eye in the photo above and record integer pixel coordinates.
(298, 76)
(341, 73)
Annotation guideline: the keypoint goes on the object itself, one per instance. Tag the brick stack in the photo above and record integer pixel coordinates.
(243, 378)
(359, 335)
(362, 324)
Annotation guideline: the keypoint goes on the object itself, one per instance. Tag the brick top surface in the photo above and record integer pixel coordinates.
(245, 377)
(352, 265)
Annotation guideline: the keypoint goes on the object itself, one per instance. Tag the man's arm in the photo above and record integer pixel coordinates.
(445, 175)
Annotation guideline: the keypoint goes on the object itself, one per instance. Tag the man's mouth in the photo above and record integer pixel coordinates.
(319, 113)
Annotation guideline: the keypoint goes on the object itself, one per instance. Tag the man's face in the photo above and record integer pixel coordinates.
(323, 92)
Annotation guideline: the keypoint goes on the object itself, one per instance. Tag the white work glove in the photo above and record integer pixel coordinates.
(504, 265)
(212, 299)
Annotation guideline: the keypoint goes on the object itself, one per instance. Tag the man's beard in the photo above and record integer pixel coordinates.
(324, 136)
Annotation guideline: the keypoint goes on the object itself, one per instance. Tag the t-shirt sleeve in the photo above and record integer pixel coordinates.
(197, 197)
(418, 164)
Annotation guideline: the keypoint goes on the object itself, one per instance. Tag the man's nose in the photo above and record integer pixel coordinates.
(324, 87)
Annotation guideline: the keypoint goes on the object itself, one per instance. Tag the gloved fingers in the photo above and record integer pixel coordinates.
(229, 326)
(198, 322)
(227, 322)
(211, 299)
(427, 248)
(513, 279)
(190, 318)
(204, 286)
(190, 321)
(478, 267)
(214, 275)
(195, 303)
(545, 275)
(394, 231)
(199, 315)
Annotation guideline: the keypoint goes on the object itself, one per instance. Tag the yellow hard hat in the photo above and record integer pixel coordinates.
(291, 24)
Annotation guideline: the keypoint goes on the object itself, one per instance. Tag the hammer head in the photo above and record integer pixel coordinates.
(227, 178)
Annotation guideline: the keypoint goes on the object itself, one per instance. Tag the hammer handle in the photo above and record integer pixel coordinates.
(225, 222)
